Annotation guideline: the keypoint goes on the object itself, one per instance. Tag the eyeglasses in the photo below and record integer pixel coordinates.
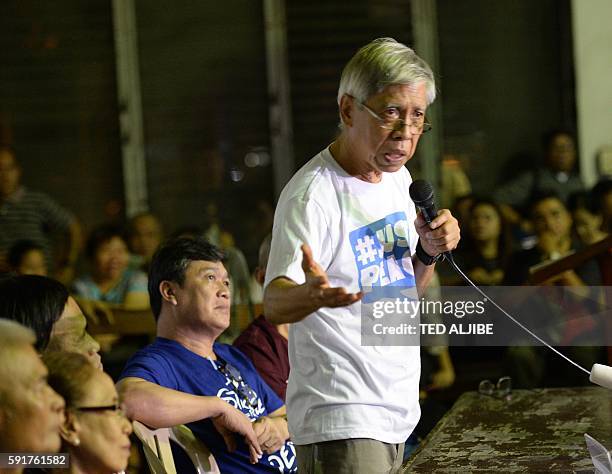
(502, 389)
(417, 127)
(115, 408)
(232, 374)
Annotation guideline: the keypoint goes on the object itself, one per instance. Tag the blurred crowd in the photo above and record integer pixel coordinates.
(56, 280)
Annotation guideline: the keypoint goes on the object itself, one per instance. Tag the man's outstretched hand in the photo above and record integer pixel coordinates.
(317, 283)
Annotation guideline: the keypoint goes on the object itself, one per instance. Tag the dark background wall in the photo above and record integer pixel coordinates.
(204, 96)
(322, 36)
(505, 78)
(58, 101)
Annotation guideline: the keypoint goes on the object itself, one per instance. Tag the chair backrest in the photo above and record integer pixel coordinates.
(200, 456)
(156, 445)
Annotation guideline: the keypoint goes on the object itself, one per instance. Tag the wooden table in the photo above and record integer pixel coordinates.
(535, 431)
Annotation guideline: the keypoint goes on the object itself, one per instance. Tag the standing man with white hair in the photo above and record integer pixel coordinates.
(351, 407)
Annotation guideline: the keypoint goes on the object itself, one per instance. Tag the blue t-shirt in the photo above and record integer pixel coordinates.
(169, 364)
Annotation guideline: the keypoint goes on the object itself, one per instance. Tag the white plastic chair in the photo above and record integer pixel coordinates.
(156, 446)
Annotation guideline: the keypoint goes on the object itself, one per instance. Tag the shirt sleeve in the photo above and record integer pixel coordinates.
(150, 367)
(297, 221)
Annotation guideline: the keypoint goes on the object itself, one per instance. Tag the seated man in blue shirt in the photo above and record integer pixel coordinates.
(184, 377)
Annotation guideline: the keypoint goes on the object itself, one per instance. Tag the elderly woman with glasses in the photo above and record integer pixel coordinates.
(95, 431)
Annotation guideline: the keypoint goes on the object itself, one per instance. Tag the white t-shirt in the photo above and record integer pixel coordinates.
(363, 235)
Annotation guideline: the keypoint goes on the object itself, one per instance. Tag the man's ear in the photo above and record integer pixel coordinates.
(166, 289)
(347, 107)
(70, 429)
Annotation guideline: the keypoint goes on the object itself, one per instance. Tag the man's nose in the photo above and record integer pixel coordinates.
(224, 290)
(127, 426)
(402, 130)
(94, 346)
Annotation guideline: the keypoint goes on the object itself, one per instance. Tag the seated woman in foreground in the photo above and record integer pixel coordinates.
(95, 431)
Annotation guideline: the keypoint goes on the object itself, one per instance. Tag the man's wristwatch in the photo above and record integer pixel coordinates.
(425, 257)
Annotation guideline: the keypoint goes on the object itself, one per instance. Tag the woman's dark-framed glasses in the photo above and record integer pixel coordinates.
(118, 409)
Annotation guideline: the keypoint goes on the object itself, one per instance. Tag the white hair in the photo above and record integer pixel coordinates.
(13, 334)
(381, 63)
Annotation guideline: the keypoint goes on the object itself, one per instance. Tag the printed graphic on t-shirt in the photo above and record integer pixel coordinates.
(382, 255)
(284, 459)
(230, 396)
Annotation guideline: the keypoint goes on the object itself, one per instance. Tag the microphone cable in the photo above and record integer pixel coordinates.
(449, 257)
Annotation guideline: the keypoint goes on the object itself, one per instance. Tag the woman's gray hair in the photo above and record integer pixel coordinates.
(13, 334)
(381, 63)
(13, 337)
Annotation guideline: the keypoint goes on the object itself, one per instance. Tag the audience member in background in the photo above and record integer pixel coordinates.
(27, 257)
(257, 225)
(214, 232)
(185, 376)
(553, 226)
(26, 214)
(187, 231)
(31, 413)
(95, 431)
(487, 248)
(587, 218)
(235, 261)
(44, 305)
(454, 182)
(602, 195)
(557, 175)
(111, 280)
(266, 343)
(461, 208)
(144, 236)
(560, 317)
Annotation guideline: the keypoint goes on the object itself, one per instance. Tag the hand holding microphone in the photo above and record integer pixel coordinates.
(438, 231)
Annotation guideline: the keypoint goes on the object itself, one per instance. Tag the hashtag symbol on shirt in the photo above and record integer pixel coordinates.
(366, 250)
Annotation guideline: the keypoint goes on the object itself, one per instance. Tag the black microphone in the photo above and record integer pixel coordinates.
(422, 194)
